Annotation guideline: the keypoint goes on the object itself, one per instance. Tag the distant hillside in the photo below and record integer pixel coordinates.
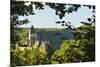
(55, 37)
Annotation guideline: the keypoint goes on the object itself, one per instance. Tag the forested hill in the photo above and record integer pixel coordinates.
(54, 36)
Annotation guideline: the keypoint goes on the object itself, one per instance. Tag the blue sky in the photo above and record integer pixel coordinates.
(46, 18)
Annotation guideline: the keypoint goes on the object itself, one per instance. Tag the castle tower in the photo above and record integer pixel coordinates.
(29, 37)
(32, 37)
(29, 34)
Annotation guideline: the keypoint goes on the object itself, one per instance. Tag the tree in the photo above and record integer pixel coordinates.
(79, 49)
(18, 8)
(27, 57)
(87, 40)
(69, 52)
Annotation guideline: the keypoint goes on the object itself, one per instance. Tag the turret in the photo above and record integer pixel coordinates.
(29, 38)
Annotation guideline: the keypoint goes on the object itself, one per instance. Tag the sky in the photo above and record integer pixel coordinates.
(46, 18)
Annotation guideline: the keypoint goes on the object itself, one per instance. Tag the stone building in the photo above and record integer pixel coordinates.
(37, 42)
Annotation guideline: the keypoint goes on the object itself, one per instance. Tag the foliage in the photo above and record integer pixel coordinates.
(20, 34)
(80, 49)
(86, 38)
(19, 8)
(68, 52)
(27, 57)
(61, 9)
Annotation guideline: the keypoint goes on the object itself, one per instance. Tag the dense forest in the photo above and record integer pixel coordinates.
(69, 45)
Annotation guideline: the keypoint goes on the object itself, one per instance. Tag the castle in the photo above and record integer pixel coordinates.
(35, 41)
